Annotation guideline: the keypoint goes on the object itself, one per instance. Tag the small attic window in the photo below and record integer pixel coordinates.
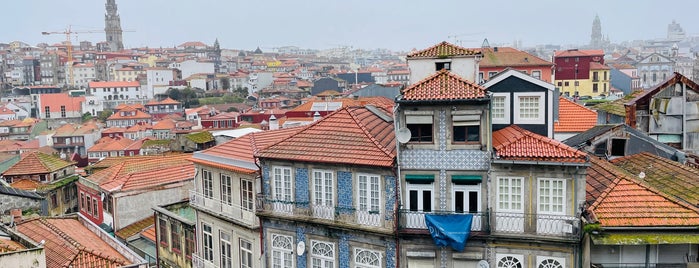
(442, 65)
(618, 147)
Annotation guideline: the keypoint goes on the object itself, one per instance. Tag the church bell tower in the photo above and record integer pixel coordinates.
(112, 27)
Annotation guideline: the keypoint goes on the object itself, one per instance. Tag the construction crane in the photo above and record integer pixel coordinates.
(69, 49)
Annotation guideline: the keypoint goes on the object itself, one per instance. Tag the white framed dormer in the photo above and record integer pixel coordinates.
(501, 108)
(530, 108)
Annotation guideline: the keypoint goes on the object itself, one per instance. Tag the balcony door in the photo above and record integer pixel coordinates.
(419, 202)
(551, 219)
(466, 199)
(323, 194)
(509, 216)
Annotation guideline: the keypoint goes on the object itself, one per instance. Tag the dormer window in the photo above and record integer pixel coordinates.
(443, 65)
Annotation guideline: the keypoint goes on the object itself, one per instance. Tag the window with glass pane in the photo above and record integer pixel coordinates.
(282, 247)
(498, 104)
(246, 193)
(510, 194)
(207, 242)
(245, 254)
(369, 193)
(323, 188)
(551, 196)
(189, 242)
(529, 107)
(226, 190)
(207, 184)
(163, 232)
(225, 246)
(322, 254)
(175, 231)
(364, 258)
(282, 184)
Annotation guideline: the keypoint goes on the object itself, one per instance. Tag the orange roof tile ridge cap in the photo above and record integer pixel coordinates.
(61, 234)
(577, 104)
(36, 155)
(424, 80)
(368, 134)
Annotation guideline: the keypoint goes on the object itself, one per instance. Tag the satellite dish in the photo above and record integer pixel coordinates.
(300, 248)
(403, 135)
(483, 264)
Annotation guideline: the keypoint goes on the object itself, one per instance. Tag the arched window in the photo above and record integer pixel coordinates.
(509, 261)
(550, 262)
(364, 258)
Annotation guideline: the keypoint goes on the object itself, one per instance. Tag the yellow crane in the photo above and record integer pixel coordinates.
(69, 49)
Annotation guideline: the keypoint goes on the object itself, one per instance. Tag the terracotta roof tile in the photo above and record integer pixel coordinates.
(351, 135)
(37, 163)
(70, 244)
(144, 173)
(55, 100)
(149, 233)
(516, 143)
(600, 176)
(135, 228)
(107, 144)
(579, 52)
(509, 57)
(628, 203)
(442, 50)
(114, 84)
(443, 85)
(668, 176)
(573, 117)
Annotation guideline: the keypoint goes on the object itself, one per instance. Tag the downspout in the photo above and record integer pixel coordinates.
(262, 242)
(684, 117)
(397, 195)
(157, 243)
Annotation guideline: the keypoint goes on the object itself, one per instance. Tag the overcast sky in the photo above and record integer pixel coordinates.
(392, 24)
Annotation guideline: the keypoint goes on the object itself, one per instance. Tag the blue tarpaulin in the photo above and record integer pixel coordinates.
(449, 230)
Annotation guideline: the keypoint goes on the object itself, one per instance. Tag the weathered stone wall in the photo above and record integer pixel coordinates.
(8, 202)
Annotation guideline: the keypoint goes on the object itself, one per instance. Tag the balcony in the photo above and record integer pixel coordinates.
(200, 262)
(324, 214)
(504, 223)
(232, 212)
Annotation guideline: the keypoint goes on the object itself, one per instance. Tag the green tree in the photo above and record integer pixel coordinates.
(86, 117)
(225, 83)
(105, 114)
(174, 94)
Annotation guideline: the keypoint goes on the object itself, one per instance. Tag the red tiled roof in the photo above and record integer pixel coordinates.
(114, 84)
(516, 143)
(668, 176)
(509, 57)
(244, 148)
(442, 50)
(149, 233)
(627, 203)
(165, 124)
(56, 100)
(351, 135)
(36, 163)
(144, 173)
(600, 175)
(68, 243)
(578, 53)
(598, 66)
(107, 144)
(135, 228)
(138, 115)
(443, 85)
(573, 117)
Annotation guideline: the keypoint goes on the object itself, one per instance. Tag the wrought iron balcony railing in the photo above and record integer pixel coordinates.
(231, 211)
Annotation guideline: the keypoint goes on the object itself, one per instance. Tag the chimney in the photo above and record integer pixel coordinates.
(273, 123)
(316, 116)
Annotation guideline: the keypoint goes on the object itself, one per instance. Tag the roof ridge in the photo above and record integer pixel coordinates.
(60, 233)
(367, 133)
(577, 104)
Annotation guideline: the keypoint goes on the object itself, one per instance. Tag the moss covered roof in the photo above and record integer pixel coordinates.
(155, 143)
(201, 137)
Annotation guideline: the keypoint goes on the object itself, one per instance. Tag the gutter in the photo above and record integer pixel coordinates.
(547, 163)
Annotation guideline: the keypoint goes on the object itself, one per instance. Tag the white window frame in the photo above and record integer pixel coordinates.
(361, 263)
(420, 188)
(226, 188)
(542, 108)
(500, 256)
(247, 197)
(509, 193)
(226, 248)
(466, 189)
(536, 71)
(282, 251)
(207, 248)
(323, 193)
(324, 258)
(245, 250)
(280, 191)
(368, 193)
(506, 113)
(207, 179)
(541, 259)
(546, 197)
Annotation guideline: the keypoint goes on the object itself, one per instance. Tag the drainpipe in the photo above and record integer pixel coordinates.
(397, 195)
(684, 117)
